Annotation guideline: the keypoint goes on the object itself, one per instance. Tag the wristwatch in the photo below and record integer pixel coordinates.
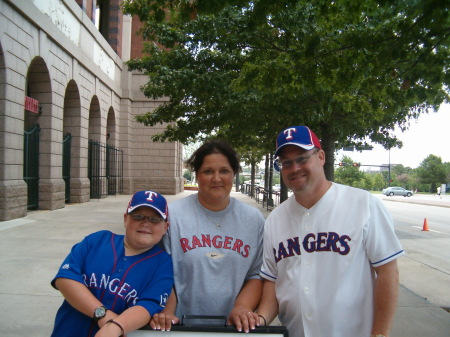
(99, 313)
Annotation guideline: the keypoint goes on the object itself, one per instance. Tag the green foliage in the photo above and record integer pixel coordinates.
(247, 69)
(349, 174)
(379, 182)
(188, 175)
(432, 172)
(365, 183)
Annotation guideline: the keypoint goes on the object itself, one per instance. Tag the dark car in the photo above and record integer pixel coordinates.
(391, 191)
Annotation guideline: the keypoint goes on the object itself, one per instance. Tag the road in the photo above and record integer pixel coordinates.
(426, 251)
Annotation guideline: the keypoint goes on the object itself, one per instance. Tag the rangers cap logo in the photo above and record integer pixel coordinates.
(300, 136)
(149, 199)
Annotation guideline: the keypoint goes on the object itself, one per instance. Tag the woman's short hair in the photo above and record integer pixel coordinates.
(214, 146)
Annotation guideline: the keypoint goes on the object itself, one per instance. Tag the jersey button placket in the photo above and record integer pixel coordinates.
(306, 261)
(307, 221)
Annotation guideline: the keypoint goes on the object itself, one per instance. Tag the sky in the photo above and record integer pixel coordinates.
(429, 134)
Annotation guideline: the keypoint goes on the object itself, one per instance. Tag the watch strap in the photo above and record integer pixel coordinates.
(96, 317)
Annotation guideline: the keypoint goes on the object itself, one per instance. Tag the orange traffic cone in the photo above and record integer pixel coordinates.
(425, 225)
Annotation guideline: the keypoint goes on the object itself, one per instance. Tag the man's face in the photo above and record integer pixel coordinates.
(301, 169)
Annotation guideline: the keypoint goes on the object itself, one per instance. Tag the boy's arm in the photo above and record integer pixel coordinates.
(79, 297)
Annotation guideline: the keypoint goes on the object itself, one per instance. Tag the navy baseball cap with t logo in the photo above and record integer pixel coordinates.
(149, 199)
(300, 136)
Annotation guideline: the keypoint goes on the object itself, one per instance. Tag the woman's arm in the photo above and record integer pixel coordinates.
(247, 301)
(164, 320)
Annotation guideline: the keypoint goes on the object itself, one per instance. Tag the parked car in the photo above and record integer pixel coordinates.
(391, 191)
(276, 188)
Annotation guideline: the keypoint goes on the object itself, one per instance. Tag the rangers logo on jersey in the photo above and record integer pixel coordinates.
(320, 242)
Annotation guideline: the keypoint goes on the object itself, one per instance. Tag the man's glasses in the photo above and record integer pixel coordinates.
(151, 219)
(287, 164)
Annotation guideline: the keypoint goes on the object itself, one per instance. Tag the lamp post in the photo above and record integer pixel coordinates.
(389, 168)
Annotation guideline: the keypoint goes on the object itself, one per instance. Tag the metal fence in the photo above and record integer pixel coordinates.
(67, 142)
(31, 165)
(105, 169)
(262, 195)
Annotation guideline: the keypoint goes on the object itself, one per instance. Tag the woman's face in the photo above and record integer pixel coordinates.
(215, 181)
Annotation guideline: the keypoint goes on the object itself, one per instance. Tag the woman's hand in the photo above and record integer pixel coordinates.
(243, 319)
(163, 321)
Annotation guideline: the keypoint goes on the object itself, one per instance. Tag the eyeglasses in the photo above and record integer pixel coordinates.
(287, 164)
(151, 219)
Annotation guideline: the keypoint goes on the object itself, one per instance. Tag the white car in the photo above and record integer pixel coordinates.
(391, 191)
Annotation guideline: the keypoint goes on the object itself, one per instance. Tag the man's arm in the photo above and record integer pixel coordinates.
(268, 307)
(385, 297)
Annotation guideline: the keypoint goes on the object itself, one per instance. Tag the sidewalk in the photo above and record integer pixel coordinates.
(32, 249)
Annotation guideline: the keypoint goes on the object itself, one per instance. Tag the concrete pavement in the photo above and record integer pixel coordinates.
(32, 249)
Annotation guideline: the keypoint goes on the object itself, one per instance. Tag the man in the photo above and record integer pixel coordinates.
(330, 251)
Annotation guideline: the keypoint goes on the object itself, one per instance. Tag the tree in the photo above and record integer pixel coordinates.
(366, 182)
(432, 171)
(348, 174)
(447, 173)
(348, 69)
(379, 182)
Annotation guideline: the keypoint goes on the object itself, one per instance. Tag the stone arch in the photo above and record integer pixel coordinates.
(73, 125)
(38, 87)
(95, 121)
(111, 128)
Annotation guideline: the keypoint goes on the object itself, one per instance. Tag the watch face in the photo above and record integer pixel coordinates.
(99, 312)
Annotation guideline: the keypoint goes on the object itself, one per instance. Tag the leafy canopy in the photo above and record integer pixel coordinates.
(248, 69)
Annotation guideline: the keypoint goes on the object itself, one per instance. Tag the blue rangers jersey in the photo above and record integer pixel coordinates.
(118, 281)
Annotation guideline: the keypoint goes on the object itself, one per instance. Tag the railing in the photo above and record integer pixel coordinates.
(262, 195)
(105, 169)
(67, 141)
(31, 165)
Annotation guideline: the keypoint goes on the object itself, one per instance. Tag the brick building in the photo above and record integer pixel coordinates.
(67, 108)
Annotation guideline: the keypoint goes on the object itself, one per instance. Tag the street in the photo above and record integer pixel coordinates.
(426, 251)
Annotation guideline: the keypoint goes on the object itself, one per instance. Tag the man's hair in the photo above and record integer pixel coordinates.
(214, 146)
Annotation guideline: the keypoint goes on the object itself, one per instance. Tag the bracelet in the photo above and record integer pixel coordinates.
(114, 322)
(265, 322)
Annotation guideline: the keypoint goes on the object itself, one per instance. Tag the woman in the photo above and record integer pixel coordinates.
(113, 284)
(216, 245)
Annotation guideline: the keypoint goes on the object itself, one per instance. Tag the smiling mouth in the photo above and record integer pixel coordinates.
(143, 232)
(297, 176)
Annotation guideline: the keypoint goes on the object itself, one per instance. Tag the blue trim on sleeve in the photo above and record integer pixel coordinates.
(261, 272)
(389, 257)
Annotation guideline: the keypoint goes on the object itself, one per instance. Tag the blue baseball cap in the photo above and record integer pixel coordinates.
(300, 136)
(149, 199)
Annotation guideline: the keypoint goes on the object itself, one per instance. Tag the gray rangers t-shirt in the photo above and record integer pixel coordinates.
(213, 254)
